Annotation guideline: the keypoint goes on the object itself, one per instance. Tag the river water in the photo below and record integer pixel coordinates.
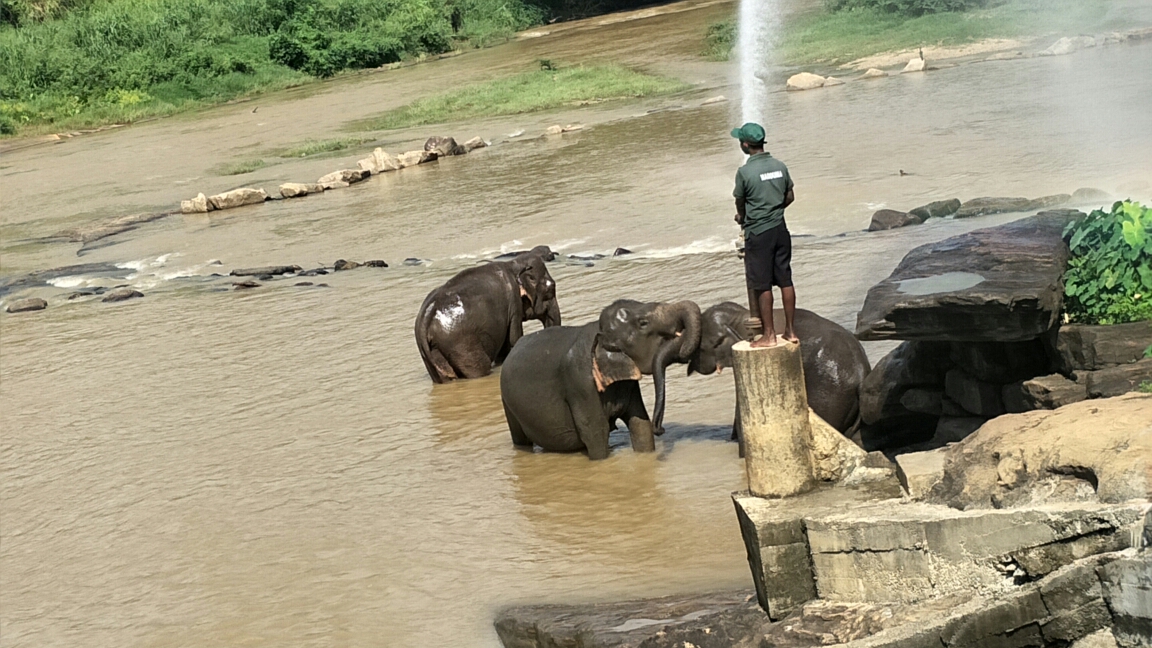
(273, 467)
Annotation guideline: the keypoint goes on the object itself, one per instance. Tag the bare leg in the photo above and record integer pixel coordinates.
(788, 295)
(755, 326)
(769, 337)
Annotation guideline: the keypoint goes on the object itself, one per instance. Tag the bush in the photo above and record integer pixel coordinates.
(1109, 277)
(906, 7)
(719, 40)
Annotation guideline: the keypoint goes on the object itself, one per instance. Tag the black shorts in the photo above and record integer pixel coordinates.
(768, 259)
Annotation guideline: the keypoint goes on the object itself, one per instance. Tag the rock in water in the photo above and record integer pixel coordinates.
(1048, 202)
(1067, 45)
(996, 284)
(123, 293)
(26, 305)
(266, 270)
(412, 158)
(984, 206)
(937, 209)
(375, 263)
(875, 73)
(443, 146)
(554, 130)
(197, 205)
(341, 264)
(915, 65)
(378, 162)
(238, 198)
(714, 100)
(1090, 194)
(886, 219)
(832, 81)
(474, 143)
(297, 189)
(805, 81)
(342, 178)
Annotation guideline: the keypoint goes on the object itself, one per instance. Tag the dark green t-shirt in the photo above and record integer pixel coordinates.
(762, 182)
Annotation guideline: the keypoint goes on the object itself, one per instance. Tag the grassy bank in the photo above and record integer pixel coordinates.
(832, 37)
(96, 62)
(529, 92)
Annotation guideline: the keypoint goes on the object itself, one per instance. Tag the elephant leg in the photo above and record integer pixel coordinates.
(640, 427)
(518, 436)
(469, 363)
(439, 368)
(591, 424)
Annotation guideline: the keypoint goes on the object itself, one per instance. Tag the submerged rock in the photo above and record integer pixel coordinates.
(996, 284)
(621, 252)
(1069, 44)
(342, 178)
(341, 264)
(378, 162)
(238, 198)
(123, 293)
(298, 189)
(875, 73)
(376, 263)
(987, 205)
(832, 81)
(1091, 194)
(26, 305)
(915, 65)
(412, 261)
(443, 146)
(475, 143)
(412, 158)
(197, 205)
(937, 209)
(714, 100)
(266, 270)
(240, 285)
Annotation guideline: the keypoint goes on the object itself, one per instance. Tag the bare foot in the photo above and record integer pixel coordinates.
(765, 341)
(790, 336)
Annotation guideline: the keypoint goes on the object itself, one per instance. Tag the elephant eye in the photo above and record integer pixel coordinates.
(643, 323)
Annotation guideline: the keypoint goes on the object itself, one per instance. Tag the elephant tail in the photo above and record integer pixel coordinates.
(423, 320)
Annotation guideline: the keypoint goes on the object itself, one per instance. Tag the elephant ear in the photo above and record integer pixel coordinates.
(611, 366)
(523, 266)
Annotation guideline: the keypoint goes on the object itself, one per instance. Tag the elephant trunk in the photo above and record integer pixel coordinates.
(551, 316)
(684, 321)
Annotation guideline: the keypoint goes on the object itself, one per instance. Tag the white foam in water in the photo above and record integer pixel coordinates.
(710, 245)
(758, 25)
(71, 281)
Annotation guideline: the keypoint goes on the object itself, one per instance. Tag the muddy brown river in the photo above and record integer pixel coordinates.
(273, 467)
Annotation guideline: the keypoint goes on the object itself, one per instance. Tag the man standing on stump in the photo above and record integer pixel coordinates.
(763, 190)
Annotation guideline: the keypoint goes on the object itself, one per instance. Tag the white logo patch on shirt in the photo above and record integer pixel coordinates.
(771, 175)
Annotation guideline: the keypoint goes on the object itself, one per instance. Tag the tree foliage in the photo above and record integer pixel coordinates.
(907, 7)
(1109, 277)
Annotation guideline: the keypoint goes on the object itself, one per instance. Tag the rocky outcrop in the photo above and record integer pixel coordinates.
(261, 271)
(915, 65)
(805, 81)
(832, 81)
(123, 293)
(103, 229)
(474, 143)
(1117, 380)
(1085, 347)
(298, 189)
(412, 158)
(1042, 392)
(937, 209)
(1069, 44)
(984, 206)
(1094, 450)
(886, 219)
(1091, 194)
(342, 178)
(26, 305)
(238, 198)
(378, 162)
(197, 205)
(875, 73)
(997, 284)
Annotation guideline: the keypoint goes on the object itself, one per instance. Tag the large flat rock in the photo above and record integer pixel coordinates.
(1001, 284)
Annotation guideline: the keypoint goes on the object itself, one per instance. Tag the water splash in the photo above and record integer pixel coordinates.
(758, 26)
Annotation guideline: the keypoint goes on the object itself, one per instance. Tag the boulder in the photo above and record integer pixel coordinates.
(714, 100)
(886, 219)
(474, 143)
(378, 162)
(412, 158)
(1001, 362)
(1103, 445)
(834, 457)
(342, 178)
(27, 304)
(262, 271)
(984, 206)
(1099, 639)
(915, 65)
(832, 81)
(238, 198)
(996, 284)
(341, 264)
(1116, 380)
(923, 401)
(197, 205)
(937, 209)
(912, 364)
(297, 189)
(375, 263)
(242, 285)
(1091, 195)
(875, 73)
(919, 472)
(951, 429)
(1127, 587)
(90, 232)
(443, 146)
(1048, 202)
(805, 81)
(554, 130)
(1043, 392)
(123, 293)
(1087, 347)
(975, 396)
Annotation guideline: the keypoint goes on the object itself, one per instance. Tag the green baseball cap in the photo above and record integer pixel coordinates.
(750, 132)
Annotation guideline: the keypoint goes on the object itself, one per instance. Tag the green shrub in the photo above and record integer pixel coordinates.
(1145, 387)
(719, 40)
(907, 7)
(1109, 277)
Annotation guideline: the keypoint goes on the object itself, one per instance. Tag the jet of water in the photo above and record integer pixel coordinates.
(757, 29)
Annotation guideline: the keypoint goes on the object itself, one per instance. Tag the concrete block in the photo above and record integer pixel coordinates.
(900, 575)
(1070, 588)
(777, 554)
(1069, 626)
(976, 396)
(1098, 639)
(920, 471)
(1013, 621)
(1127, 587)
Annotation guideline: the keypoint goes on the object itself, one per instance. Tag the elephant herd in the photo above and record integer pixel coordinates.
(564, 388)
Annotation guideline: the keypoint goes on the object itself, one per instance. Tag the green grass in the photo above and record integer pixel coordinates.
(1145, 387)
(239, 168)
(317, 147)
(827, 37)
(530, 92)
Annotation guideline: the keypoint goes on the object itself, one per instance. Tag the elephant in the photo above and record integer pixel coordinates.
(564, 388)
(471, 322)
(835, 363)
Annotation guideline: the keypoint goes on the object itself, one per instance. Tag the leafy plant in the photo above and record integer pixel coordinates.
(1148, 351)
(719, 40)
(906, 7)
(1109, 277)
(1145, 387)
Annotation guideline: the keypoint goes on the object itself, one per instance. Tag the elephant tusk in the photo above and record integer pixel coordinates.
(719, 368)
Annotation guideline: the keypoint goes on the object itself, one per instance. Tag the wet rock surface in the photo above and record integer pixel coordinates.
(238, 198)
(26, 305)
(1086, 348)
(886, 219)
(990, 205)
(120, 294)
(996, 284)
(937, 209)
(266, 271)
